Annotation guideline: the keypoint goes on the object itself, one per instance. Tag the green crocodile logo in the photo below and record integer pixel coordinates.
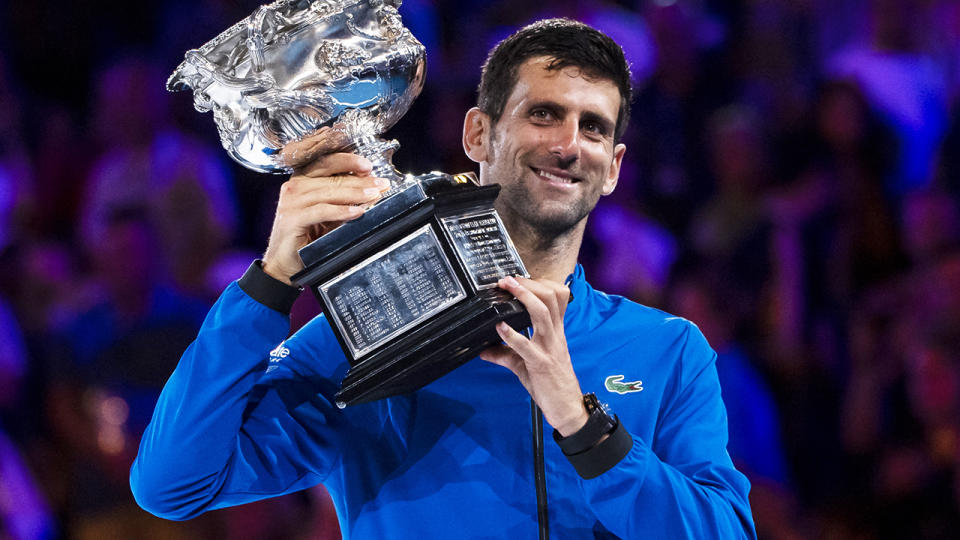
(613, 384)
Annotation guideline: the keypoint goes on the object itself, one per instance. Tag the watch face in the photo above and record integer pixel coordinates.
(590, 402)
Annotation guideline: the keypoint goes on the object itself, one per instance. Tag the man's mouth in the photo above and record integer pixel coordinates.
(555, 176)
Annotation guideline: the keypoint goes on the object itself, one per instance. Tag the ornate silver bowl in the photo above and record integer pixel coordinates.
(300, 78)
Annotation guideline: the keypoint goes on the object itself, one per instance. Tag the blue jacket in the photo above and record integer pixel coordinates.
(247, 415)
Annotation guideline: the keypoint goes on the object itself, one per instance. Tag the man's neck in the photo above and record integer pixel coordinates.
(546, 256)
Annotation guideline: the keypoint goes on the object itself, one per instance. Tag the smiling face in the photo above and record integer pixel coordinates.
(552, 151)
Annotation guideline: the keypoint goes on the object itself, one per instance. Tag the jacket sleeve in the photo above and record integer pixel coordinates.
(218, 438)
(682, 484)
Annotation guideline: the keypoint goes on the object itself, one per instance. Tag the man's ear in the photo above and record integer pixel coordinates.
(476, 134)
(614, 173)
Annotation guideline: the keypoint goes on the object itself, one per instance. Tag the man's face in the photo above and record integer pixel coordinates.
(552, 151)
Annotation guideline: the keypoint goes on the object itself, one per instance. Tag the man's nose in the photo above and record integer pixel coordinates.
(566, 141)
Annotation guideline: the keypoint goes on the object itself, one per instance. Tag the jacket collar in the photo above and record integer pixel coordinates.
(580, 290)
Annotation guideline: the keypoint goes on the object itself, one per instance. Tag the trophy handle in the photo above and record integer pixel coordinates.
(255, 41)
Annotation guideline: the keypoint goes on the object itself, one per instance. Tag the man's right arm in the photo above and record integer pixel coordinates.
(192, 446)
(198, 452)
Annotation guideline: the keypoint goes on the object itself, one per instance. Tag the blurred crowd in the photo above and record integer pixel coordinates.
(791, 185)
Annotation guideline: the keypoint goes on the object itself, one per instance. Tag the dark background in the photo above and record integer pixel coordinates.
(790, 185)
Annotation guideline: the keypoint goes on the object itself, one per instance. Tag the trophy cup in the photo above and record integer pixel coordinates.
(410, 288)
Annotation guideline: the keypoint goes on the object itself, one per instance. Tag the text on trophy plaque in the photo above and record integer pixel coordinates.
(484, 247)
(392, 291)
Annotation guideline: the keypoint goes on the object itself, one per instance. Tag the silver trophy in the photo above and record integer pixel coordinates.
(410, 288)
(302, 78)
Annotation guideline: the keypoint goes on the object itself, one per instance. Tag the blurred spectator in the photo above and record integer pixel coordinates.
(135, 294)
(182, 183)
(901, 411)
(948, 160)
(52, 290)
(638, 264)
(905, 85)
(666, 135)
(910, 463)
(12, 184)
(729, 231)
(24, 514)
(855, 150)
(885, 321)
(740, 165)
(769, 54)
(941, 38)
(13, 362)
(123, 348)
(755, 439)
(50, 293)
(916, 482)
(16, 174)
(61, 172)
(931, 226)
(834, 234)
(753, 251)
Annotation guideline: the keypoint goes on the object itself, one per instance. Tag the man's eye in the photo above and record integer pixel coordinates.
(594, 127)
(540, 114)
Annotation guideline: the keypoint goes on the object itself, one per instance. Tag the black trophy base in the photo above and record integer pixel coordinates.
(409, 288)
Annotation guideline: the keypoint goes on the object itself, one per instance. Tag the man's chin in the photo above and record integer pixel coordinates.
(549, 216)
(554, 223)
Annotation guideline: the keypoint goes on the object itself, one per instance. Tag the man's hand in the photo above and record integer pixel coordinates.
(542, 363)
(318, 197)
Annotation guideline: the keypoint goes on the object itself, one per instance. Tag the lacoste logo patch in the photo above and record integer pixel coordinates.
(614, 384)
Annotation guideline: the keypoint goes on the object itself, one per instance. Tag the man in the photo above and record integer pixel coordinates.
(454, 460)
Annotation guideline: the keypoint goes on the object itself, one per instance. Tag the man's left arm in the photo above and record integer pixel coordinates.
(681, 484)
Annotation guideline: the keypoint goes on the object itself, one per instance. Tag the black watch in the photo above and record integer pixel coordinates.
(599, 423)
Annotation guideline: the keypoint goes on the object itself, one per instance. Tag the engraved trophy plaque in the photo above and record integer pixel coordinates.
(409, 288)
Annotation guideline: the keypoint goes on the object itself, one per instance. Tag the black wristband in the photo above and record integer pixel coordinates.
(604, 455)
(585, 438)
(267, 290)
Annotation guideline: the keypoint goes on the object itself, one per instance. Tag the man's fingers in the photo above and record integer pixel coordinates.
(335, 165)
(542, 316)
(500, 355)
(554, 295)
(324, 213)
(302, 192)
(304, 220)
(515, 340)
(546, 287)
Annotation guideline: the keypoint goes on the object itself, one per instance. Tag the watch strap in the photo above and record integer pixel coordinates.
(598, 424)
(597, 446)
(604, 455)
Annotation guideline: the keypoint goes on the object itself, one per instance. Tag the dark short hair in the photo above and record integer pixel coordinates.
(567, 43)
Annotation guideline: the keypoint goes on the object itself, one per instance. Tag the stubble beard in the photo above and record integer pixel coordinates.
(548, 223)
